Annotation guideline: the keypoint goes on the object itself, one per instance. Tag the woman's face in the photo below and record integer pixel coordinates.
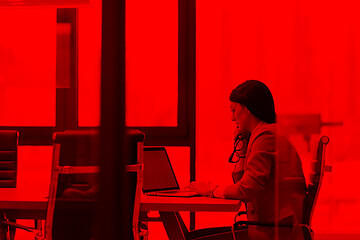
(240, 115)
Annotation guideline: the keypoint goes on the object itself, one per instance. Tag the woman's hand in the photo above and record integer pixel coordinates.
(237, 132)
(241, 134)
(202, 188)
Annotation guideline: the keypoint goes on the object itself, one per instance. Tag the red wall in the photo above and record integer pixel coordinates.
(307, 52)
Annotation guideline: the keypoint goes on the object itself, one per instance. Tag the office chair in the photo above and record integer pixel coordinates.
(74, 161)
(135, 170)
(8, 158)
(317, 172)
(69, 147)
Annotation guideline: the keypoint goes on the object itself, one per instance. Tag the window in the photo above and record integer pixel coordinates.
(151, 63)
(89, 65)
(27, 67)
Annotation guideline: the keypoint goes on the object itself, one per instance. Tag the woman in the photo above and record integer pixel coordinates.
(263, 177)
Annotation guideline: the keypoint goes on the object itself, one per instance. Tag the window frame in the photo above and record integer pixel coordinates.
(184, 134)
(181, 135)
(66, 98)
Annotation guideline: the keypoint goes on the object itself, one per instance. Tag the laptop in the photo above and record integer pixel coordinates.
(159, 177)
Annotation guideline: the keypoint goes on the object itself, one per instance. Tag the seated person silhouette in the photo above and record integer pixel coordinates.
(264, 159)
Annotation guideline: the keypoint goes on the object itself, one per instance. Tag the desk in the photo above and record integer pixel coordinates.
(29, 199)
(169, 208)
(207, 204)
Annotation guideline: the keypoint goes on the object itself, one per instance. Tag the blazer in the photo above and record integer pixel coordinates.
(271, 166)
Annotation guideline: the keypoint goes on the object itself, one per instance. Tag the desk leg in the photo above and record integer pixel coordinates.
(146, 237)
(40, 225)
(143, 219)
(174, 225)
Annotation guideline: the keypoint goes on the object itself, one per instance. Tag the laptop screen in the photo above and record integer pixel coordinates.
(158, 173)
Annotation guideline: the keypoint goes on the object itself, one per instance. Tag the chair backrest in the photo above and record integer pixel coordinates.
(8, 158)
(135, 168)
(318, 168)
(79, 148)
(74, 165)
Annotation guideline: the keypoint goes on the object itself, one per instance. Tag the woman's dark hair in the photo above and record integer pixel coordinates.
(257, 98)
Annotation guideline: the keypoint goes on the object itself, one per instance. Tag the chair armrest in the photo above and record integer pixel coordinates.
(77, 169)
(271, 224)
(93, 169)
(263, 224)
(134, 167)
